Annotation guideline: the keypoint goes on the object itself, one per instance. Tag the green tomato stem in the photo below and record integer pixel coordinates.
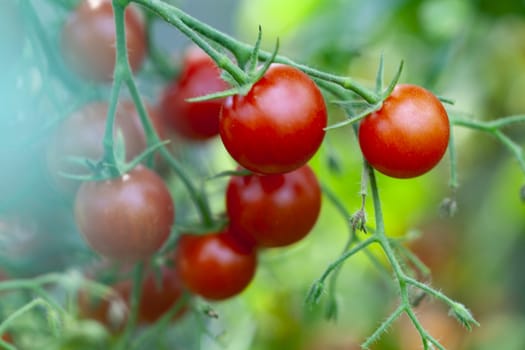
(123, 74)
(174, 16)
(242, 51)
(138, 276)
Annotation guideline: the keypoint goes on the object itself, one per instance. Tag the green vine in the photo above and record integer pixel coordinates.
(356, 100)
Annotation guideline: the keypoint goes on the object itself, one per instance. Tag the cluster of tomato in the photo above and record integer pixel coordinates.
(128, 218)
(271, 131)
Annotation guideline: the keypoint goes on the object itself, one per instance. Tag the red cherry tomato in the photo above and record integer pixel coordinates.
(82, 133)
(273, 210)
(159, 293)
(8, 338)
(159, 296)
(126, 218)
(200, 76)
(89, 39)
(214, 266)
(278, 125)
(408, 136)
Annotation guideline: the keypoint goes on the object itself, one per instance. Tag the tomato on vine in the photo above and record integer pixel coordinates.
(160, 291)
(89, 39)
(408, 135)
(273, 210)
(215, 266)
(82, 133)
(199, 76)
(8, 338)
(127, 218)
(278, 125)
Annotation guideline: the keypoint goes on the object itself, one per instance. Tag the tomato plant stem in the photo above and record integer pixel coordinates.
(38, 302)
(173, 16)
(453, 182)
(383, 327)
(159, 325)
(494, 128)
(243, 51)
(138, 276)
(55, 62)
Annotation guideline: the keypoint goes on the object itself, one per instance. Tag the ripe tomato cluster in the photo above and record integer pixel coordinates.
(129, 217)
(271, 131)
(262, 206)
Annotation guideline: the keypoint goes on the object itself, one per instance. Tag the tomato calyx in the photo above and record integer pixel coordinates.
(349, 105)
(252, 72)
(103, 169)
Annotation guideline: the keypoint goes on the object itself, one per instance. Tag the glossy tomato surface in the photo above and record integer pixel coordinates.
(199, 76)
(159, 295)
(408, 136)
(278, 125)
(81, 135)
(89, 39)
(273, 210)
(214, 266)
(126, 218)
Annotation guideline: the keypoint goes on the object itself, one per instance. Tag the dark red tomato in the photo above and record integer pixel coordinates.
(278, 125)
(408, 136)
(7, 338)
(273, 210)
(214, 266)
(200, 76)
(82, 133)
(158, 295)
(89, 39)
(126, 218)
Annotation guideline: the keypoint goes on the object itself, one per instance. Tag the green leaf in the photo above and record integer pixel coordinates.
(215, 95)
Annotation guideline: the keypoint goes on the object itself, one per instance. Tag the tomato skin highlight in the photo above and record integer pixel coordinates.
(214, 266)
(278, 125)
(408, 135)
(273, 210)
(194, 120)
(89, 39)
(125, 219)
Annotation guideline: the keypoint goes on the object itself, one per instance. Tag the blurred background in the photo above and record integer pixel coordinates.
(471, 52)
